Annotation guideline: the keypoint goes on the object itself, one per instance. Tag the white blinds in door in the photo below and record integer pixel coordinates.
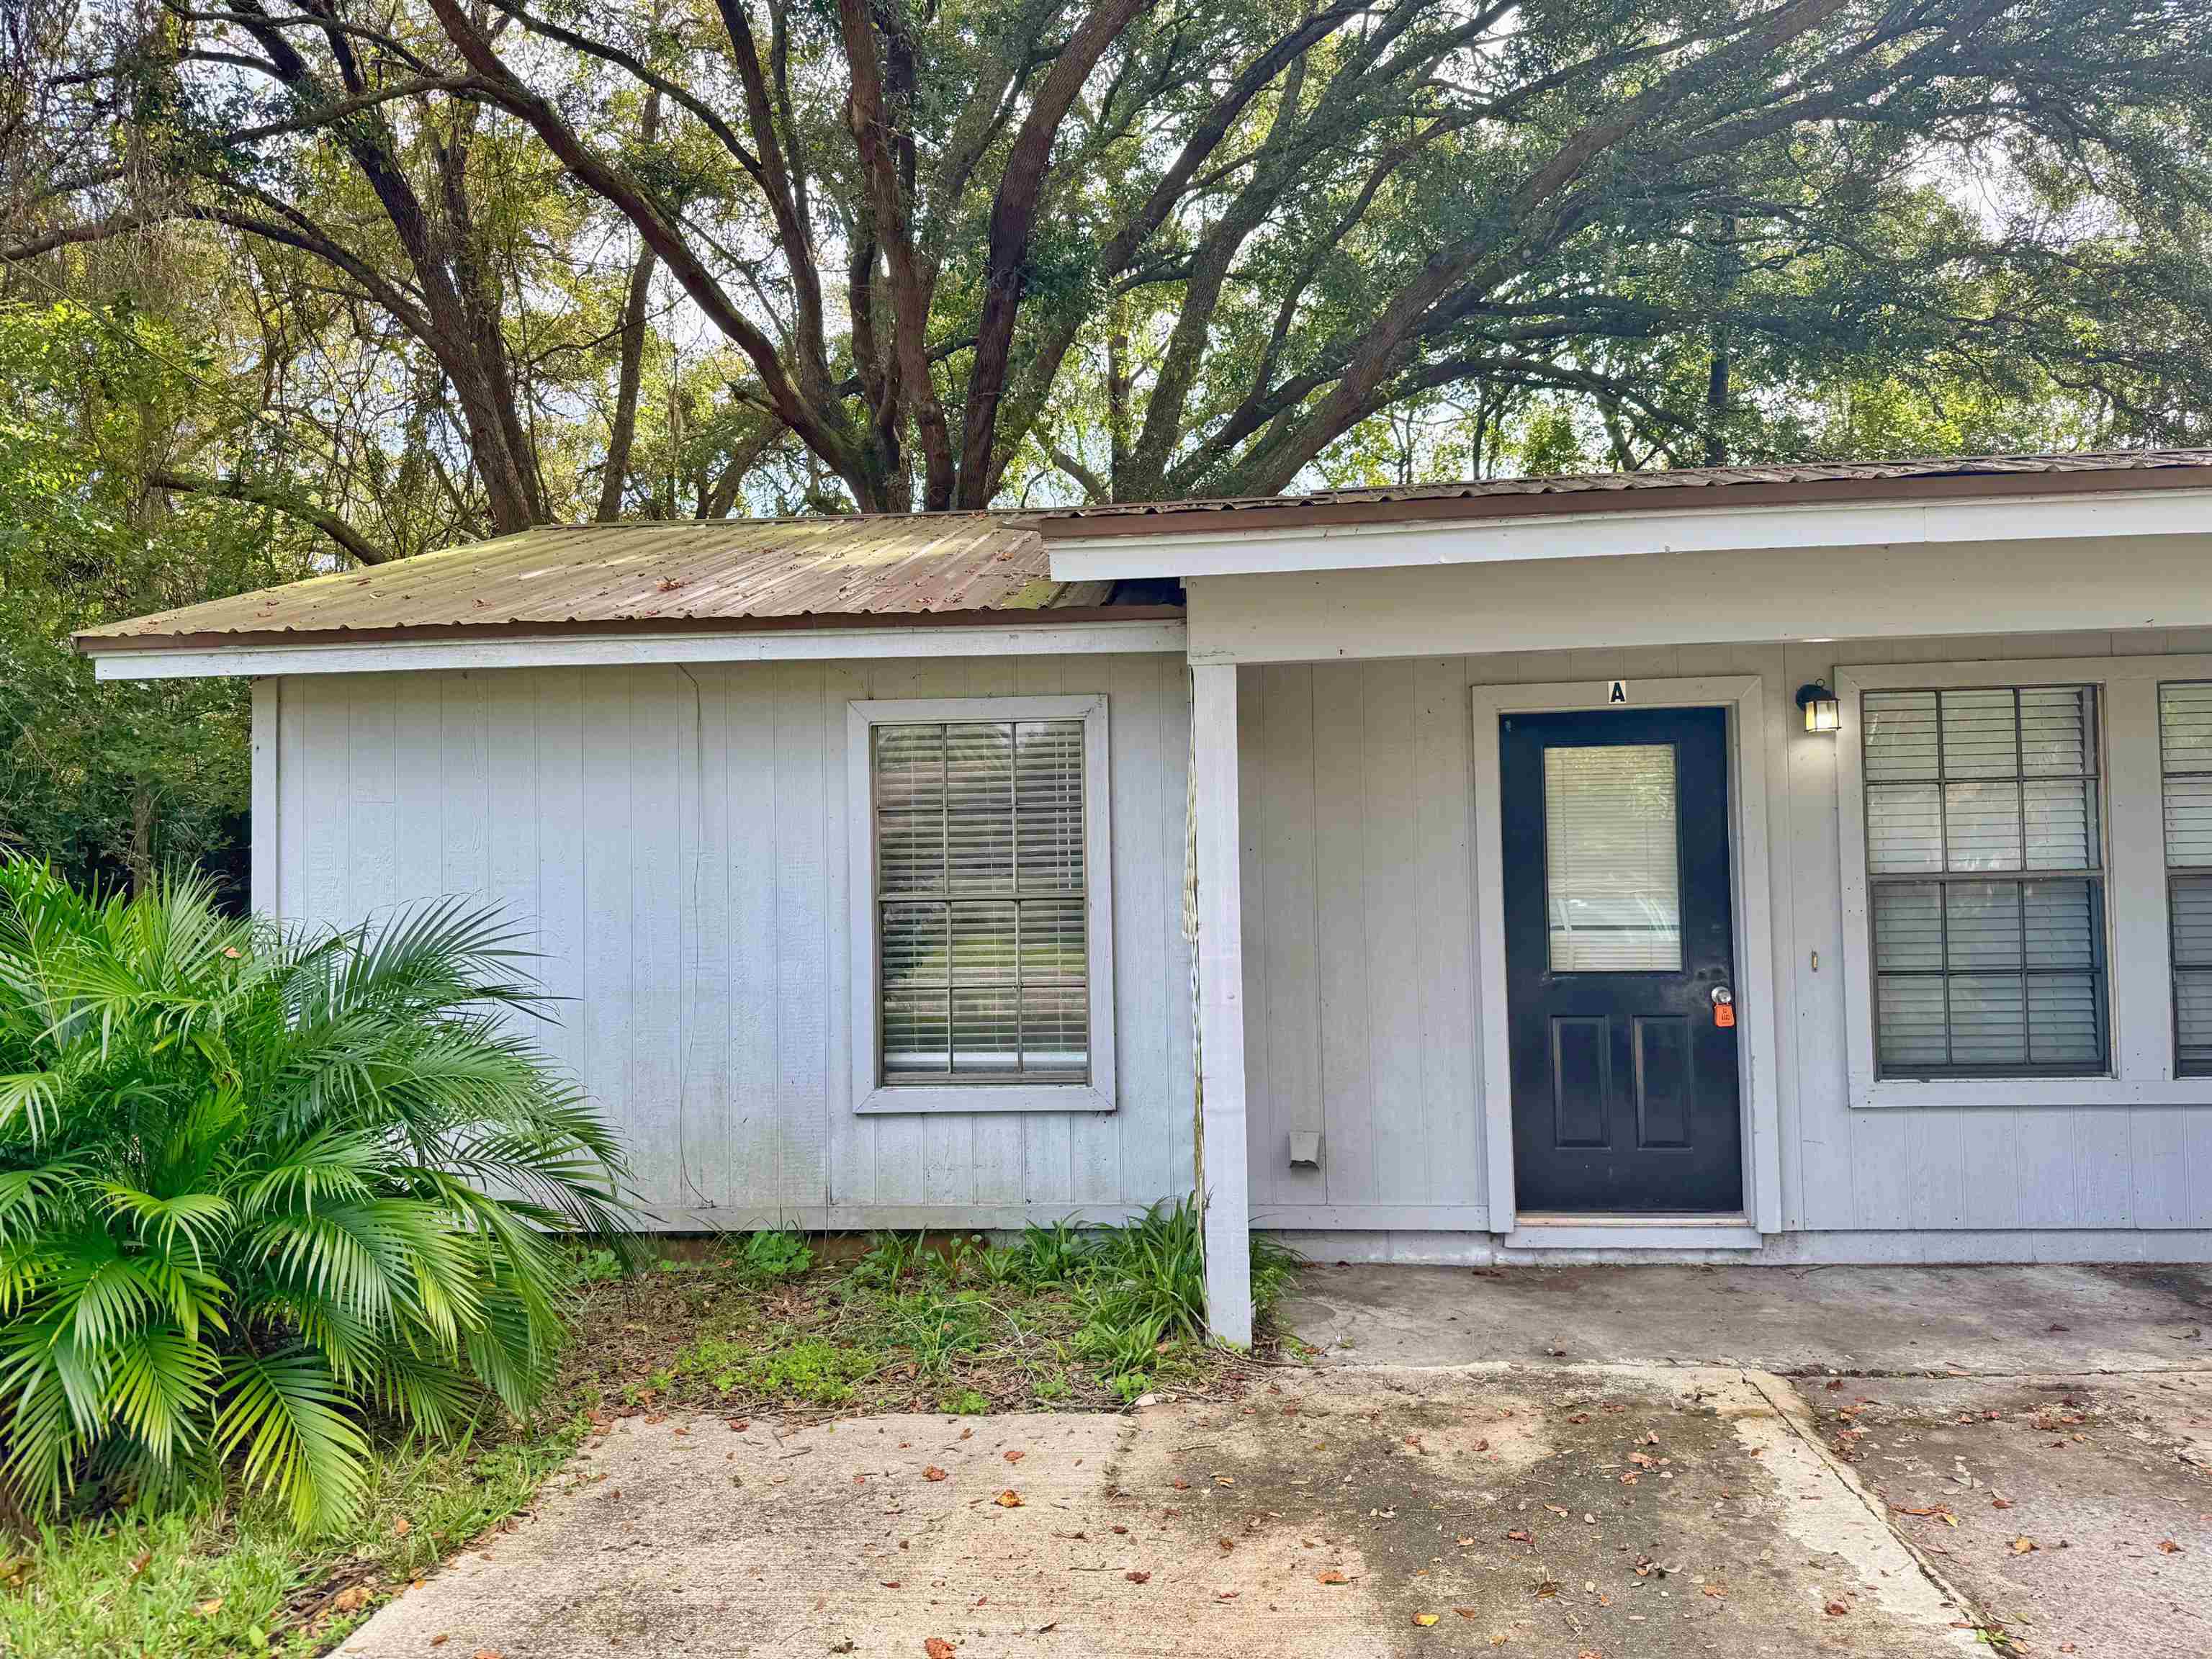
(1611, 859)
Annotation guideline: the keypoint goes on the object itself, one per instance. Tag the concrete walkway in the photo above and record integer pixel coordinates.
(1473, 1492)
(1988, 1321)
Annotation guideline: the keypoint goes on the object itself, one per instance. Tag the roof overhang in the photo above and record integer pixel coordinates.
(1260, 540)
(979, 634)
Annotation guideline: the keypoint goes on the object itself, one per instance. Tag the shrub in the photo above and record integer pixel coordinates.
(257, 1187)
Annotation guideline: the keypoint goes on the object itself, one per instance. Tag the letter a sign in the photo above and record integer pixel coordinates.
(1616, 692)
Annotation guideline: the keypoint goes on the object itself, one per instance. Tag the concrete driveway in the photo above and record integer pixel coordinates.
(1609, 1500)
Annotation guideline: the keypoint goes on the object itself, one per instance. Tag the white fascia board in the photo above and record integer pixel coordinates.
(1613, 533)
(619, 650)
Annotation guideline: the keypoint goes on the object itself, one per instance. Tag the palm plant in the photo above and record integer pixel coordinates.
(259, 1189)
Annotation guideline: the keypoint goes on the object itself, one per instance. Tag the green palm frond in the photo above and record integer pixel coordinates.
(282, 1418)
(159, 1388)
(255, 1185)
(199, 1219)
(33, 1097)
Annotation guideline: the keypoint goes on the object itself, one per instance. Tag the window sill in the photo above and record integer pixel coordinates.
(1895, 1093)
(911, 1099)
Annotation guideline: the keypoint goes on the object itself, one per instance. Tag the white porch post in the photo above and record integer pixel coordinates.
(1221, 1005)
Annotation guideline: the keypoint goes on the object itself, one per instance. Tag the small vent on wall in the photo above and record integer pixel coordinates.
(1305, 1149)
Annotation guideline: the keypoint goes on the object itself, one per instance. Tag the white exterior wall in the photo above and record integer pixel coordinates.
(674, 840)
(1360, 966)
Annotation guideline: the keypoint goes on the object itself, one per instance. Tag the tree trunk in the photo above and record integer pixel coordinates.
(621, 435)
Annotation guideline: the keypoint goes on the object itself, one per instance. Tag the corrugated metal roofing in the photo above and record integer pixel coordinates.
(1634, 491)
(622, 577)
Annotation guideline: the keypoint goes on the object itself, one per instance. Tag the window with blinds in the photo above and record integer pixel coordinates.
(1610, 859)
(2184, 744)
(979, 898)
(1984, 868)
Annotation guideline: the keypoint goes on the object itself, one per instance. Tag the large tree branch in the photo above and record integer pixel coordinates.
(888, 195)
(820, 427)
(1013, 218)
(279, 498)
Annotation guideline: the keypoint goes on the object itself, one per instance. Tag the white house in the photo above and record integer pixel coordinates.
(1790, 864)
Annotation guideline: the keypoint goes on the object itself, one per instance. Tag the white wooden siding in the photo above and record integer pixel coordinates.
(672, 839)
(1360, 969)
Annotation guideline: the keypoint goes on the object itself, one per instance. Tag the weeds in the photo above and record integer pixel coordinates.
(766, 1258)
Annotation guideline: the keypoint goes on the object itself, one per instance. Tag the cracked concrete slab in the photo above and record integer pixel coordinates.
(1617, 1511)
(2077, 1511)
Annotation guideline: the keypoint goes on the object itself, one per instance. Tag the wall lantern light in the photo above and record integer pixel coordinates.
(1823, 712)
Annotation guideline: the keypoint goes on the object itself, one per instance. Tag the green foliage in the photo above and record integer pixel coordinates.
(812, 1369)
(774, 1255)
(963, 1402)
(217, 1578)
(934, 1326)
(889, 1258)
(598, 1267)
(1053, 1255)
(255, 1188)
(107, 780)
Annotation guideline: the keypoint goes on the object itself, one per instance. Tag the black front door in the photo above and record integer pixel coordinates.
(1620, 961)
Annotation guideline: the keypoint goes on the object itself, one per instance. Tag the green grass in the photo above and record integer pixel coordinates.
(1062, 1318)
(226, 1577)
(808, 1370)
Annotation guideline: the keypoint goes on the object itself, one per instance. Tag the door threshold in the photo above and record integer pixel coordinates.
(1631, 1218)
(1638, 1230)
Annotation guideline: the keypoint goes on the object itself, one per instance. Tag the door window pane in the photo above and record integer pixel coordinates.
(1983, 844)
(981, 936)
(1611, 859)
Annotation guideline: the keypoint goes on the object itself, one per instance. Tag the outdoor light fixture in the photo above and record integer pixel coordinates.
(1823, 713)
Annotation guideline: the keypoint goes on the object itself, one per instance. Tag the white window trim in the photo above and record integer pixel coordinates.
(2139, 985)
(870, 1093)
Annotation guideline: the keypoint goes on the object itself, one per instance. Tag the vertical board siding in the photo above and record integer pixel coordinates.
(671, 840)
(1360, 968)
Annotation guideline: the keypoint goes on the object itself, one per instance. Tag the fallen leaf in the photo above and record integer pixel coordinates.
(352, 1599)
(139, 1562)
(1008, 1499)
(1836, 1610)
(1517, 1536)
(208, 1609)
(1138, 1577)
(441, 1638)
(1424, 1619)
(2024, 1545)
(937, 1648)
(1466, 1613)
(932, 1472)
(2001, 1503)
(486, 1653)
(1715, 1591)
(401, 1526)
(1330, 1577)
(1182, 1485)
(2168, 1547)
(1013, 1456)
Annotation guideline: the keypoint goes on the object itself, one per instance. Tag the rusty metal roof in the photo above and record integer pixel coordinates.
(1795, 483)
(634, 577)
